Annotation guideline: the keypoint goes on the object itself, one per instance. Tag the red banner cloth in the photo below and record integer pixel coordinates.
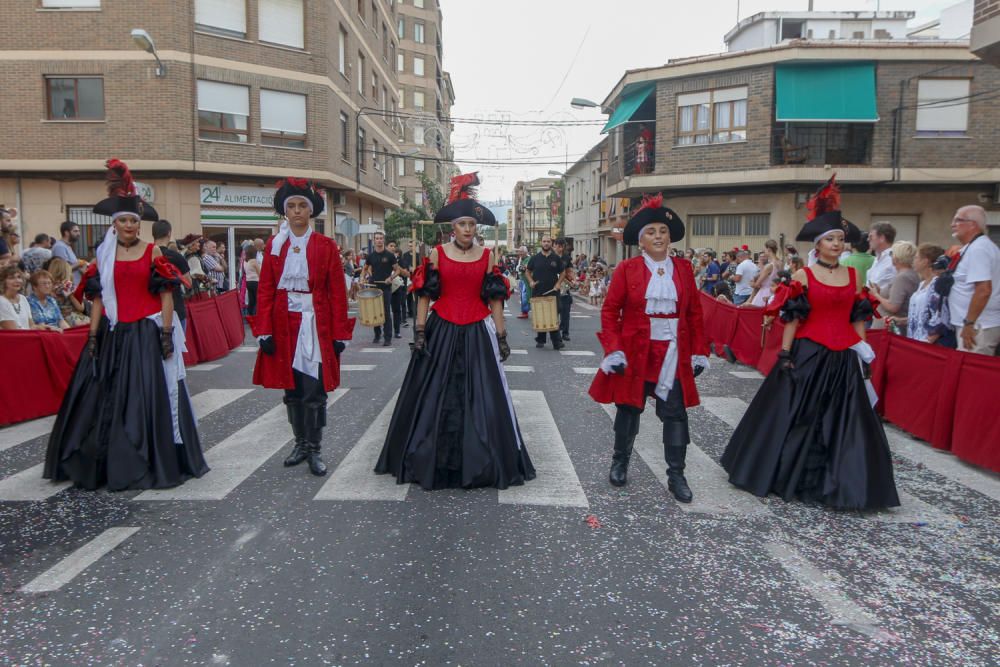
(228, 307)
(975, 433)
(38, 366)
(206, 334)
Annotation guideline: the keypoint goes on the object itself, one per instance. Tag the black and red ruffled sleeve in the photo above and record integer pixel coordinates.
(90, 284)
(865, 307)
(791, 301)
(495, 286)
(164, 276)
(426, 280)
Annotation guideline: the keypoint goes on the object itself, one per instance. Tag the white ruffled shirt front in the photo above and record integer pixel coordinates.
(295, 279)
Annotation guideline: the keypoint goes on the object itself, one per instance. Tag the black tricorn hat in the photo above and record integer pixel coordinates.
(123, 197)
(298, 187)
(824, 216)
(462, 204)
(653, 210)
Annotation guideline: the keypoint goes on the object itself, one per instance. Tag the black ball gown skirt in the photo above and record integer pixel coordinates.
(453, 425)
(812, 434)
(115, 426)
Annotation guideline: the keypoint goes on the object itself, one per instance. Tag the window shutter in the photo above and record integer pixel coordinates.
(223, 98)
(282, 112)
(691, 99)
(942, 105)
(70, 4)
(282, 22)
(225, 14)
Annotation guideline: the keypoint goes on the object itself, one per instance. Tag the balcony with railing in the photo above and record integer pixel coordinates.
(816, 144)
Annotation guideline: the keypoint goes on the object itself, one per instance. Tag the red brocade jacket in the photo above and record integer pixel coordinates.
(329, 294)
(625, 327)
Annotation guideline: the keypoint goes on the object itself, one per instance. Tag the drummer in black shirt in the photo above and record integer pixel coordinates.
(380, 269)
(544, 270)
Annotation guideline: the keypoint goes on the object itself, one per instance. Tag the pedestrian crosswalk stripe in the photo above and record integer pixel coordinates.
(586, 306)
(911, 509)
(746, 375)
(354, 478)
(378, 350)
(359, 367)
(234, 459)
(580, 317)
(584, 370)
(576, 353)
(15, 435)
(72, 565)
(203, 367)
(557, 483)
(944, 463)
(246, 348)
(713, 494)
(519, 352)
(29, 485)
(519, 369)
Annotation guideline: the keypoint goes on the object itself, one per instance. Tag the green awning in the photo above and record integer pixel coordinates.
(629, 105)
(826, 92)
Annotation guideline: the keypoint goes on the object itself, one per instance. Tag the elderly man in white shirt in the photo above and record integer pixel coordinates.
(975, 296)
(880, 238)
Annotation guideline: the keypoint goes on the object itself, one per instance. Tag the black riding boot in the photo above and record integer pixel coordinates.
(626, 428)
(675, 442)
(296, 417)
(315, 421)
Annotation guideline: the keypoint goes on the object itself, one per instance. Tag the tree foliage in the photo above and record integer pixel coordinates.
(399, 222)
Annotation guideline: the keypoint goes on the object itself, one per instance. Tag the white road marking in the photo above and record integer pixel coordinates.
(25, 431)
(519, 369)
(247, 348)
(827, 589)
(29, 485)
(378, 350)
(713, 494)
(519, 352)
(580, 317)
(576, 353)
(747, 375)
(944, 463)
(234, 459)
(911, 509)
(354, 478)
(361, 367)
(583, 304)
(72, 565)
(203, 367)
(584, 370)
(557, 483)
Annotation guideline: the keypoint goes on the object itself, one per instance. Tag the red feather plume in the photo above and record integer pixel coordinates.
(651, 201)
(119, 179)
(463, 187)
(826, 199)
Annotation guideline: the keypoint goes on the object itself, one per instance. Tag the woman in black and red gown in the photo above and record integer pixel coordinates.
(454, 424)
(811, 431)
(126, 420)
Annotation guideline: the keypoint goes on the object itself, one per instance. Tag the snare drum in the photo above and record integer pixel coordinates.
(371, 312)
(544, 314)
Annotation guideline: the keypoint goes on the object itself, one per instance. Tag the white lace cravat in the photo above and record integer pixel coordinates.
(661, 294)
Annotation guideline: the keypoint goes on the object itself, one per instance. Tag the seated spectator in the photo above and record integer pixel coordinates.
(74, 312)
(903, 284)
(40, 252)
(15, 312)
(44, 308)
(974, 298)
(927, 313)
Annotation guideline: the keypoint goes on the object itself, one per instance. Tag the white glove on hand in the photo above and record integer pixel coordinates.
(616, 358)
(700, 361)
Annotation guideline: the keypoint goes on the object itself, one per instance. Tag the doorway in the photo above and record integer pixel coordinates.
(234, 236)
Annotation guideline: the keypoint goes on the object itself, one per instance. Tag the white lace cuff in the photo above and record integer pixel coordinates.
(616, 358)
(700, 361)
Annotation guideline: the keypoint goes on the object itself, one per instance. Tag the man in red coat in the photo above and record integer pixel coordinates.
(653, 340)
(301, 322)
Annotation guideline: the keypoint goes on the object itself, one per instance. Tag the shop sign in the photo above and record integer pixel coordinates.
(236, 195)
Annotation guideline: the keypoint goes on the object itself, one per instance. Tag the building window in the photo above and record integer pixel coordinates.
(71, 4)
(419, 4)
(418, 32)
(418, 134)
(225, 17)
(401, 167)
(374, 16)
(345, 136)
(361, 9)
(342, 51)
(418, 166)
(375, 156)
(282, 119)
(400, 62)
(282, 22)
(418, 65)
(418, 99)
(385, 100)
(374, 87)
(942, 107)
(361, 148)
(759, 224)
(418, 198)
(401, 27)
(223, 111)
(730, 225)
(80, 98)
(361, 73)
(392, 53)
(714, 116)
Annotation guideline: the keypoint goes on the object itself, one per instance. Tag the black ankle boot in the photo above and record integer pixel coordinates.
(315, 421)
(296, 417)
(626, 428)
(316, 465)
(676, 483)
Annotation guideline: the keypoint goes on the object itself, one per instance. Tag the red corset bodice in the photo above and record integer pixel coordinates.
(132, 288)
(461, 285)
(829, 321)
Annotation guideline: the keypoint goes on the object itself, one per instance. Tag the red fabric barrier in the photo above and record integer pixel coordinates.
(43, 363)
(206, 335)
(772, 345)
(975, 433)
(720, 321)
(228, 307)
(746, 342)
(919, 388)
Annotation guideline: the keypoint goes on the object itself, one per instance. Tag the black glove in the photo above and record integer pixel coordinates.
(167, 343)
(698, 370)
(92, 346)
(267, 346)
(338, 347)
(785, 361)
(504, 347)
(419, 344)
(619, 369)
(866, 370)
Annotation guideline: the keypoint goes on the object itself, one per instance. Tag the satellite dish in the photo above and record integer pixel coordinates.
(349, 227)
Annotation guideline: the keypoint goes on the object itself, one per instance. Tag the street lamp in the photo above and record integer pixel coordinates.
(144, 41)
(583, 103)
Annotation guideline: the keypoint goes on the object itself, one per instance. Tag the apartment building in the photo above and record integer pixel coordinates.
(985, 38)
(425, 97)
(238, 94)
(583, 185)
(533, 216)
(737, 141)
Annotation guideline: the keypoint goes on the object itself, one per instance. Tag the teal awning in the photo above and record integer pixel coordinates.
(629, 105)
(825, 92)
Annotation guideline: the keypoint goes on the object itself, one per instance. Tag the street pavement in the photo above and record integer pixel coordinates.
(256, 564)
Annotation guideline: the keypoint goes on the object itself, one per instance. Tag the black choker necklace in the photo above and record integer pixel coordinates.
(128, 245)
(827, 266)
(461, 247)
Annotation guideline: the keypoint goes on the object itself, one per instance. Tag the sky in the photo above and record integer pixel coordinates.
(524, 60)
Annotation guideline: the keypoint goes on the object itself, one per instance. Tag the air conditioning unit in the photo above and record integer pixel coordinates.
(338, 199)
